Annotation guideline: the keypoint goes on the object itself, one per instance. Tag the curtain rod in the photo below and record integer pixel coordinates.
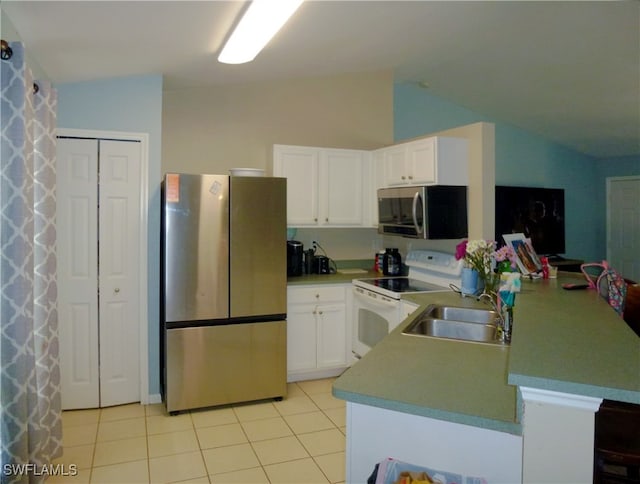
(7, 53)
(6, 50)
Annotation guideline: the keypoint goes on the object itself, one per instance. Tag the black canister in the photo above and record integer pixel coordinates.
(309, 256)
(391, 262)
(294, 258)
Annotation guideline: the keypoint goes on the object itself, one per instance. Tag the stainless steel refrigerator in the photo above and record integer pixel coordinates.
(224, 281)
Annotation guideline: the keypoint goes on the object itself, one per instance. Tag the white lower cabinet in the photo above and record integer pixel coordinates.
(317, 331)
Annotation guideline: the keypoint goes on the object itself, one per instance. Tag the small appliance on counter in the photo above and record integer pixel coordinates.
(321, 264)
(295, 250)
(391, 262)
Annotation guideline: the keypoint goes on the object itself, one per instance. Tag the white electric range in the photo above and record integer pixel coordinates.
(376, 301)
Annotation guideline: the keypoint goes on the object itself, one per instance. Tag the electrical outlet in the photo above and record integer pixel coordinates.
(315, 245)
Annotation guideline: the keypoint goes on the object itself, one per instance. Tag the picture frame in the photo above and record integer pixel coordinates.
(527, 258)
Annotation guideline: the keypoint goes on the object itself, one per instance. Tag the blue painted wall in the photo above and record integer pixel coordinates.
(526, 159)
(132, 104)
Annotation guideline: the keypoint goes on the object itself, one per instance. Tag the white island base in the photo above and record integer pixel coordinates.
(373, 434)
(556, 446)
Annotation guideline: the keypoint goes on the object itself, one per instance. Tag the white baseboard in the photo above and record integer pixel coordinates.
(154, 398)
(315, 374)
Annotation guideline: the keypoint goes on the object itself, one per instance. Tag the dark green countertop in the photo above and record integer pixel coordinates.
(565, 341)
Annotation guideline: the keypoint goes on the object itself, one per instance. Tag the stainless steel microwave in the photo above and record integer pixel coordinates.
(423, 212)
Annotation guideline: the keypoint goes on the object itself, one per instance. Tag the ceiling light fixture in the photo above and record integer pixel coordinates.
(259, 24)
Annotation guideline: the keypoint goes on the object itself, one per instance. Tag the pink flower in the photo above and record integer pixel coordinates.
(461, 250)
(506, 253)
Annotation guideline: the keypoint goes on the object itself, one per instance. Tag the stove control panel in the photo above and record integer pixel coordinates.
(434, 261)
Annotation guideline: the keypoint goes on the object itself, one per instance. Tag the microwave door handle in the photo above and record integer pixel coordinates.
(414, 213)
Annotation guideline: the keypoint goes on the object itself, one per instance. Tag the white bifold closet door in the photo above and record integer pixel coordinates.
(98, 212)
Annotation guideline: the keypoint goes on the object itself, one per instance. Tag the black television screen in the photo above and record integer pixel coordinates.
(538, 213)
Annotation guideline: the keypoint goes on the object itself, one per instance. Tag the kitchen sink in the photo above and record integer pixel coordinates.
(451, 322)
(467, 315)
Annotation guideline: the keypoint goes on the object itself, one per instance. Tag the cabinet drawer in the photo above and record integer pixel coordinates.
(315, 294)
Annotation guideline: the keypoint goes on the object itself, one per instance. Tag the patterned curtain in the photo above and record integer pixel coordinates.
(30, 416)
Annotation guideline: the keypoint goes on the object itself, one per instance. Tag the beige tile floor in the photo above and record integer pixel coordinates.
(298, 440)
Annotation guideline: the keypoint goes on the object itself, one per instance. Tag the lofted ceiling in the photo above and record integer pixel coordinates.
(568, 71)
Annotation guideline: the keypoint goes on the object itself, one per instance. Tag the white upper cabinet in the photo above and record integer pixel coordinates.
(428, 161)
(342, 174)
(325, 186)
(330, 187)
(299, 165)
(376, 180)
(395, 165)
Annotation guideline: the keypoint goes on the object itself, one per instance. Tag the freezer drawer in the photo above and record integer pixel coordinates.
(216, 365)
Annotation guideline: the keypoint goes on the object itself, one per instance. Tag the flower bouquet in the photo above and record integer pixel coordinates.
(482, 257)
(506, 259)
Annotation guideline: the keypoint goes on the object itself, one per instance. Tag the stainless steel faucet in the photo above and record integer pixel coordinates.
(505, 317)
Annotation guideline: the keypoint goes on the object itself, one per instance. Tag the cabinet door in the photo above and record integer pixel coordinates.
(341, 184)
(332, 335)
(301, 337)
(299, 165)
(421, 161)
(395, 165)
(376, 180)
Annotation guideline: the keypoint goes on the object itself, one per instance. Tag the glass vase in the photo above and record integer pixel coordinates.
(491, 285)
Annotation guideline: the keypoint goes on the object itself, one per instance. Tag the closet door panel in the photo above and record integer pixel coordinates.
(119, 209)
(98, 204)
(76, 222)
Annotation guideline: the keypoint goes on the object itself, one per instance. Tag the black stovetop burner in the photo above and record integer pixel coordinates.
(403, 284)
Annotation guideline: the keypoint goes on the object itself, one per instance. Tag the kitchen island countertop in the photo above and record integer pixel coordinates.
(564, 341)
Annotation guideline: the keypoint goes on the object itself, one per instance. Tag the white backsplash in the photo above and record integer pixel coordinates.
(356, 243)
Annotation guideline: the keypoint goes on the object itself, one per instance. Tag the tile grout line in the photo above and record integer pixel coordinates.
(308, 395)
(95, 445)
(193, 427)
(204, 462)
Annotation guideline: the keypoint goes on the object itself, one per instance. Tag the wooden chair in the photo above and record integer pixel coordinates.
(617, 424)
(632, 307)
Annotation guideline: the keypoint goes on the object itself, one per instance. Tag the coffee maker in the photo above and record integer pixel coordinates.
(321, 264)
(295, 250)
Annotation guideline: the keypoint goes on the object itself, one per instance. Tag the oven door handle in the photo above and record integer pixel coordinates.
(376, 300)
(414, 213)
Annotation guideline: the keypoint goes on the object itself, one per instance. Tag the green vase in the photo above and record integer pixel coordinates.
(504, 266)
